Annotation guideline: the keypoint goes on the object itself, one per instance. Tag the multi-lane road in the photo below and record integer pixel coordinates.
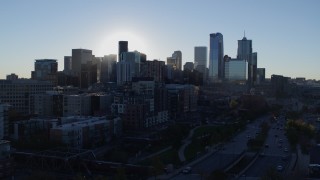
(227, 154)
(276, 153)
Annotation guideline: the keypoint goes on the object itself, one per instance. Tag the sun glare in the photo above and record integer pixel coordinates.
(109, 45)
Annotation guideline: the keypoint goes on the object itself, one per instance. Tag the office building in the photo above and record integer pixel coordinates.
(45, 69)
(200, 58)
(175, 60)
(261, 75)
(123, 47)
(108, 68)
(128, 67)
(252, 65)
(67, 64)
(235, 69)
(216, 63)
(84, 67)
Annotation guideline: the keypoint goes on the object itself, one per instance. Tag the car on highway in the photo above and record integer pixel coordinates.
(279, 168)
(186, 170)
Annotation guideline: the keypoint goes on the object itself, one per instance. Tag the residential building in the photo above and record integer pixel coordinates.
(154, 69)
(181, 99)
(77, 105)
(49, 104)
(4, 120)
(6, 162)
(20, 93)
(86, 133)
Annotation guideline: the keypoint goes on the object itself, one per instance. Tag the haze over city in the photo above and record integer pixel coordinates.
(285, 33)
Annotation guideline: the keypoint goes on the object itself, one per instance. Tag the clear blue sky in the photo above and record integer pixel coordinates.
(284, 33)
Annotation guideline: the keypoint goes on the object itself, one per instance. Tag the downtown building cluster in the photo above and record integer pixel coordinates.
(131, 93)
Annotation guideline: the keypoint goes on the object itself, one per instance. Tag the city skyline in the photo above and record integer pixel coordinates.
(283, 33)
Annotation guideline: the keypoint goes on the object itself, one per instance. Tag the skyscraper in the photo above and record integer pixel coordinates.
(83, 67)
(175, 61)
(245, 53)
(216, 63)
(108, 68)
(67, 63)
(178, 56)
(200, 56)
(123, 47)
(45, 69)
(244, 49)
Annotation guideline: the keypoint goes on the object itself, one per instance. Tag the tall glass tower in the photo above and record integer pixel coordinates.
(216, 63)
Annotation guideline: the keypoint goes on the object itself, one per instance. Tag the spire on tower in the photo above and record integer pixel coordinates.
(244, 33)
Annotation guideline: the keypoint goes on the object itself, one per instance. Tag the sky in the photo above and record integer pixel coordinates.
(285, 33)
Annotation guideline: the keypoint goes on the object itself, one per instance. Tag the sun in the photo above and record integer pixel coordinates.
(109, 44)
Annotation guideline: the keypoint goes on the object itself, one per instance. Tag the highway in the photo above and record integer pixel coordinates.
(275, 153)
(229, 152)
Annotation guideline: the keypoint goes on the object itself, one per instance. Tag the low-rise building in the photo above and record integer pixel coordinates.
(86, 132)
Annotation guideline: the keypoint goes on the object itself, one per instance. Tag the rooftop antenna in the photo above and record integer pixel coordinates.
(244, 33)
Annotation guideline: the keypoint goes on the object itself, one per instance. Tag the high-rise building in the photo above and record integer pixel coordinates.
(200, 56)
(175, 60)
(67, 63)
(261, 75)
(123, 47)
(178, 56)
(216, 63)
(244, 49)
(80, 57)
(45, 69)
(85, 67)
(108, 68)
(128, 67)
(245, 52)
(200, 60)
(235, 69)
